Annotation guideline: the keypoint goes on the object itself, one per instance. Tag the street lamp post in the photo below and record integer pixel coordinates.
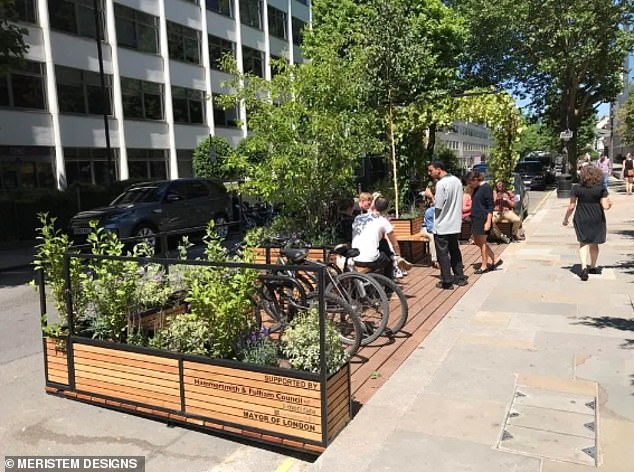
(104, 91)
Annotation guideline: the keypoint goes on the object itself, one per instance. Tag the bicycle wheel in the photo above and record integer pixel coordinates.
(343, 317)
(399, 309)
(367, 297)
(280, 297)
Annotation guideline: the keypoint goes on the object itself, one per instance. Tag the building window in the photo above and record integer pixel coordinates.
(188, 105)
(226, 118)
(20, 10)
(23, 88)
(277, 22)
(251, 13)
(147, 163)
(218, 47)
(252, 61)
(89, 165)
(26, 167)
(79, 91)
(141, 99)
(75, 16)
(185, 162)
(298, 30)
(136, 30)
(183, 43)
(220, 6)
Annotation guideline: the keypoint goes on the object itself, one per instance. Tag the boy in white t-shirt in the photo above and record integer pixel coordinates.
(368, 229)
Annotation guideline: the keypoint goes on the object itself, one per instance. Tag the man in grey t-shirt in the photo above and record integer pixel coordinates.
(447, 225)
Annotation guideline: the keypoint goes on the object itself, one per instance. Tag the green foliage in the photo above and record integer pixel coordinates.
(309, 131)
(220, 299)
(110, 286)
(220, 167)
(538, 137)
(567, 56)
(12, 45)
(187, 333)
(260, 348)
(300, 343)
(625, 119)
(49, 259)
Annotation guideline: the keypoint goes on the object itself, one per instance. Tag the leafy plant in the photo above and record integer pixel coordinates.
(49, 259)
(188, 333)
(260, 348)
(220, 305)
(300, 343)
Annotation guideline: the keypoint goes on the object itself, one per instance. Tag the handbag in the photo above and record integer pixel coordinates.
(630, 172)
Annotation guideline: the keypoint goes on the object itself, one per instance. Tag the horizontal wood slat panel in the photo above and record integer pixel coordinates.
(263, 397)
(128, 393)
(149, 377)
(312, 434)
(137, 383)
(120, 354)
(122, 361)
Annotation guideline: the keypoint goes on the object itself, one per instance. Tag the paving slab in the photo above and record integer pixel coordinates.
(408, 451)
(556, 421)
(564, 401)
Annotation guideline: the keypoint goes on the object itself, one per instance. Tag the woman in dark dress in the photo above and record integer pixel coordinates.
(589, 200)
(481, 219)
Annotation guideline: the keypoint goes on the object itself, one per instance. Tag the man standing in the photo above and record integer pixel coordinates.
(447, 225)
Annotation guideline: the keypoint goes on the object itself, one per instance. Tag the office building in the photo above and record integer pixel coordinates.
(160, 75)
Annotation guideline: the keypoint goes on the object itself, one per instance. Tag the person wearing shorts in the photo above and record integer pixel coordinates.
(482, 219)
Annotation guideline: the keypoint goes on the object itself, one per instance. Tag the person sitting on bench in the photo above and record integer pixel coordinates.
(504, 202)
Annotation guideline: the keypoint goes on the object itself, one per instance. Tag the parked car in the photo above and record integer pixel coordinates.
(147, 208)
(535, 175)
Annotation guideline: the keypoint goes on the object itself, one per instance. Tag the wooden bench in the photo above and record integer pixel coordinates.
(415, 248)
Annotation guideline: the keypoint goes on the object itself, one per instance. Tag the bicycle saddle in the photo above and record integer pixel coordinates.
(345, 251)
(295, 255)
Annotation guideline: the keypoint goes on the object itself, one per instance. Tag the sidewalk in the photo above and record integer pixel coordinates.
(532, 370)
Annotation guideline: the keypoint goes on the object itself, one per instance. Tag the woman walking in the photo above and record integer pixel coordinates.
(481, 219)
(628, 173)
(589, 200)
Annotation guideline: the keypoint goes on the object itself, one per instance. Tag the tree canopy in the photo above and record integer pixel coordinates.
(625, 115)
(566, 56)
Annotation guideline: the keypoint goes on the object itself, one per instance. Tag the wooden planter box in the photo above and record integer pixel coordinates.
(407, 226)
(284, 407)
(156, 319)
(316, 254)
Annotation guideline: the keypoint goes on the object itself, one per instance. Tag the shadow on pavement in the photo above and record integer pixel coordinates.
(622, 324)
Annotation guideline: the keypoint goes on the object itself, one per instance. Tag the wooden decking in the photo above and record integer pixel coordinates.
(374, 364)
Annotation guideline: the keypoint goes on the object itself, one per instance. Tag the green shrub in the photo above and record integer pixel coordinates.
(260, 348)
(300, 343)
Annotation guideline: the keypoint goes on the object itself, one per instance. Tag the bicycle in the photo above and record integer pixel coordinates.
(282, 297)
(398, 303)
(362, 292)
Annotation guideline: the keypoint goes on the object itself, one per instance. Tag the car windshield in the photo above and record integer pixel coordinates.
(137, 195)
(531, 166)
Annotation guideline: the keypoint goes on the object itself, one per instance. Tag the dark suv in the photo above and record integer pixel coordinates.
(534, 174)
(147, 208)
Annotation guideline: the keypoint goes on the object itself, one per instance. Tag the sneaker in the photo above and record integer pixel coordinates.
(505, 239)
(584, 274)
(403, 263)
(397, 273)
(461, 282)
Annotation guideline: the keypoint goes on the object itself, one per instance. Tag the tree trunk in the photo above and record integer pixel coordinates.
(390, 120)
(431, 139)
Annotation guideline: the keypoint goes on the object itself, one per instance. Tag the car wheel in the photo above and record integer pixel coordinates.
(145, 233)
(221, 225)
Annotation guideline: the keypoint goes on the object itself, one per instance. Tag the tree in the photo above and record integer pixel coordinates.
(212, 159)
(568, 56)
(12, 45)
(308, 133)
(538, 137)
(625, 115)
(409, 53)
